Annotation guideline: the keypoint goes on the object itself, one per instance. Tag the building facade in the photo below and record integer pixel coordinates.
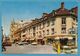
(59, 24)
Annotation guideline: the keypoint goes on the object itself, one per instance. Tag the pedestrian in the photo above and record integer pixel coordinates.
(3, 47)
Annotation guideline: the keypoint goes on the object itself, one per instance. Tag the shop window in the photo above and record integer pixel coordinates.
(64, 41)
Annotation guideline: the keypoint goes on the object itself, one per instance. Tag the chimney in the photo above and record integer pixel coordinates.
(62, 5)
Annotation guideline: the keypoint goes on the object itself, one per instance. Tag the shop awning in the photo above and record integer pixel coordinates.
(63, 38)
(32, 38)
(60, 35)
(70, 38)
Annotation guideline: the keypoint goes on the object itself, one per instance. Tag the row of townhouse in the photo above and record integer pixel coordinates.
(16, 26)
(59, 24)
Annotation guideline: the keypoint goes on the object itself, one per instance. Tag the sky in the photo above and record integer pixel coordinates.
(27, 10)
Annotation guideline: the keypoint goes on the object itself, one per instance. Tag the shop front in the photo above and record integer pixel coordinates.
(59, 41)
(40, 41)
(67, 42)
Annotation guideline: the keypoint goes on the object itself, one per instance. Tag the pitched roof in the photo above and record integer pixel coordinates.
(61, 11)
(75, 9)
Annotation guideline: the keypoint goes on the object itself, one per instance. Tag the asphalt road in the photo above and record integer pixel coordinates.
(30, 49)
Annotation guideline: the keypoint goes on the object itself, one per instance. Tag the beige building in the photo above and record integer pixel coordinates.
(60, 24)
(15, 30)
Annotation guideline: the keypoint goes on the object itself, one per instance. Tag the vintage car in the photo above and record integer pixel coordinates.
(6, 43)
(34, 43)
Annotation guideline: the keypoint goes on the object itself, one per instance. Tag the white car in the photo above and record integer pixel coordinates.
(66, 49)
(34, 43)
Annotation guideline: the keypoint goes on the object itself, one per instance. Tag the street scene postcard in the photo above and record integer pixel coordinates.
(39, 27)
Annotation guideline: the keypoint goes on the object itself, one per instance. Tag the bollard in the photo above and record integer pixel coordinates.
(59, 50)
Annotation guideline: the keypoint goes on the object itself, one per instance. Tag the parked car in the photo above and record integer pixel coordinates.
(26, 43)
(67, 49)
(20, 43)
(34, 43)
(3, 48)
(74, 49)
(7, 43)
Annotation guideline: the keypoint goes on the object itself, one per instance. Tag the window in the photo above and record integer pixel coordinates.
(34, 34)
(47, 32)
(37, 27)
(48, 23)
(23, 31)
(63, 30)
(29, 31)
(37, 33)
(72, 30)
(43, 24)
(40, 26)
(40, 32)
(63, 20)
(43, 32)
(23, 35)
(52, 30)
(53, 21)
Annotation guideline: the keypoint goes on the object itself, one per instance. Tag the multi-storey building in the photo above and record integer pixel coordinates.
(60, 24)
(15, 30)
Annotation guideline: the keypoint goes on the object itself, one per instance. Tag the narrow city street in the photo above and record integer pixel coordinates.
(30, 49)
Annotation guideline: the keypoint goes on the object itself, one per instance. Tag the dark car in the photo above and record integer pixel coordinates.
(7, 43)
(20, 43)
(3, 48)
(26, 43)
